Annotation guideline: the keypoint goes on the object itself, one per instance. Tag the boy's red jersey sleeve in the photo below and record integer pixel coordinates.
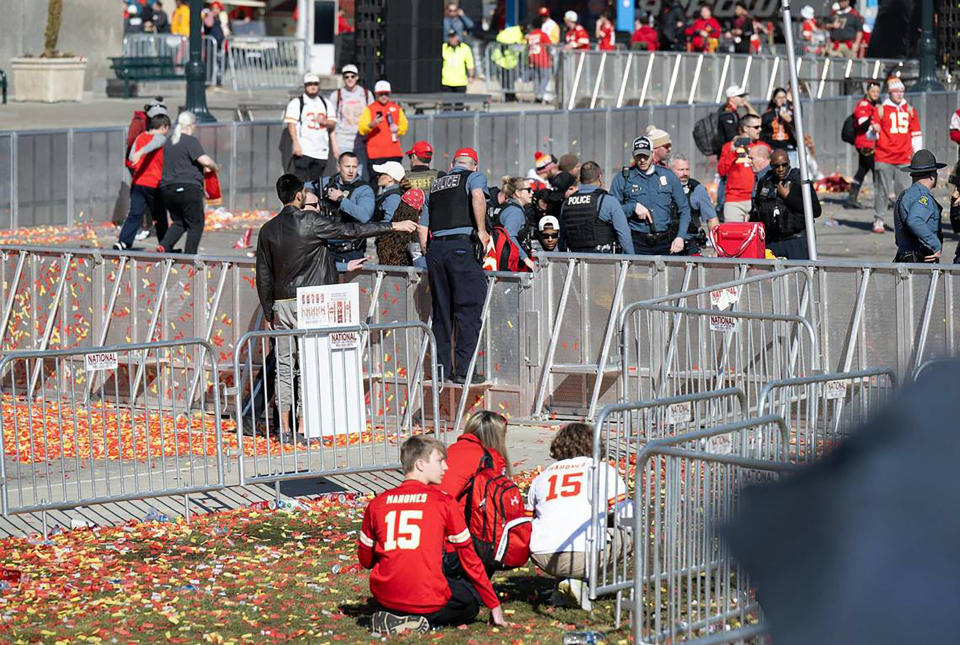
(914, 123)
(367, 539)
(459, 536)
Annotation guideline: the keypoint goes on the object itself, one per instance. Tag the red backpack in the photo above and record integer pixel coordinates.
(495, 515)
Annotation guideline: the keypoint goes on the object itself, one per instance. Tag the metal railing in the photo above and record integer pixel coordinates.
(264, 63)
(358, 391)
(178, 49)
(105, 424)
(822, 410)
(90, 179)
(513, 70)
(686, 584)
(619, 435)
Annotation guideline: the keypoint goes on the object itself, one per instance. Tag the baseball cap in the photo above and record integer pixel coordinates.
(658, 137)
(422, 149)
(310, 77)
(642, 146)
(392, 168)
(807, 12)
(736, 90)
(350, 69)
(467, 152)
(543, 11)
(451, 32)
(381, 87)
(414, 198)
(548, 220)
(570, 15)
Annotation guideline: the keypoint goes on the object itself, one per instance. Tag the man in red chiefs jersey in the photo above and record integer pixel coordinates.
(735, 167)
(896, 128)
(576, 37)
(864, 144)
(401, 540)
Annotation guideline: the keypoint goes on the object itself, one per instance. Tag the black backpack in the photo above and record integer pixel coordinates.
(848, 131)
(706, 134)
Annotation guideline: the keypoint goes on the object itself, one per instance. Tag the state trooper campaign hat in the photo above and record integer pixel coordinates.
(642, 146)
(922, 162)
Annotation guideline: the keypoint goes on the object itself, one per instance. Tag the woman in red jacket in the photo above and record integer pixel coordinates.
(484, 430)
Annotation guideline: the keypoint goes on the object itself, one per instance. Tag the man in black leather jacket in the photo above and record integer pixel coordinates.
(291, 253)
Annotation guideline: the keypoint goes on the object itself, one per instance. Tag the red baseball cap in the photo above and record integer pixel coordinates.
(544, 11)
(467, 152)
(422, 149)
(414, 198)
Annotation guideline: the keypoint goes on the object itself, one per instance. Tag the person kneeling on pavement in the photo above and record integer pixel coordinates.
(560, 499)
(778, 205)
(402, 537)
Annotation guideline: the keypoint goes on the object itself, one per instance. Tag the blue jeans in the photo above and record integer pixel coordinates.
(142, 199)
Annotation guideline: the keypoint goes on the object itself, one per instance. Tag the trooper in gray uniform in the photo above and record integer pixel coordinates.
(653, 200)
(916, 217)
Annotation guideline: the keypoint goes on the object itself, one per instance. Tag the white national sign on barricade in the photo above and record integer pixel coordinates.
(722, 323)
(330, 365)
(100, 361)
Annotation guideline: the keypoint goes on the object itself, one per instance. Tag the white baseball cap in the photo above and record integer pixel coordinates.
(736, 90)
(807, 12)
(310, 77)
(381, 87)
(548, 220)
(392, 168)
(570, 15)
(350, 69)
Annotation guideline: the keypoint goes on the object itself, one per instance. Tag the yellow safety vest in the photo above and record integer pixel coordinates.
(508, 57)
(456, 61)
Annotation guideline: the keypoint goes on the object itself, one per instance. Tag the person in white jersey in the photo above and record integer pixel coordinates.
(347, 104)
(309, 121)
(560, 499)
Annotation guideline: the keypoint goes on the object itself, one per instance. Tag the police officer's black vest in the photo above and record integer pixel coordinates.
(779, 222)
(694, 227)
(450, 202)
(378, 212)
(582, 228)
(422, 179)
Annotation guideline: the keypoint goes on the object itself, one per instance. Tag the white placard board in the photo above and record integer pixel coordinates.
(331, 373)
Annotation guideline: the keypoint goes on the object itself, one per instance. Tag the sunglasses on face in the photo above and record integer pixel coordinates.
(752, 127)
(309, 84)
(311, 204)
(349, 75)
(550, 236)
(520, 190)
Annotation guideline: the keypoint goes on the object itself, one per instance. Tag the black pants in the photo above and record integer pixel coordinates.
(793, 248)
(461, 609)
(185, 205)
(457, 287)
(460, 89)
(864, 165)
(143, 199)
(642, 245)
(309, 169)
(373, 176)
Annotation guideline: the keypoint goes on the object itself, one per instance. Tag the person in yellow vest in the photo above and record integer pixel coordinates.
(180, 20)
(506, 56)
(457, 64)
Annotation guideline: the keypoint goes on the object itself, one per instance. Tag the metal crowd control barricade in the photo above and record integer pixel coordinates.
(755, 331)
(619, 435)
(686, 584)
(512, 69)
(821, 410)
(78, 429)
(177, 48)
(366, 388)
(264, 63)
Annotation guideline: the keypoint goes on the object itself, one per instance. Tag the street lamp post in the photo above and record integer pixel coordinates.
(928, 52)
(196, 71)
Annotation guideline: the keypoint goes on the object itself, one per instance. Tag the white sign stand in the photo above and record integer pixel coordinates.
(331, 374)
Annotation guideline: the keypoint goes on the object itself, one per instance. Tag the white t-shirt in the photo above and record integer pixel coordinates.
(560, 498)
(312, 135)
(348, 105)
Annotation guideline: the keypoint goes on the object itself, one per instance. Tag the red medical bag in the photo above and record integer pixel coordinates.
(739, 240)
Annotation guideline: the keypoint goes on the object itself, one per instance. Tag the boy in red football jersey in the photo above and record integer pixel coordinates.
(401, 540)
(896, 129)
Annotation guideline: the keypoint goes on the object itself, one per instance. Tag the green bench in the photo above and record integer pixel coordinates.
(143, 68)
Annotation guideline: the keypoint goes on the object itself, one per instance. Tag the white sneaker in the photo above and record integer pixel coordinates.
(143, 234)
(878, 226)
(576, 592)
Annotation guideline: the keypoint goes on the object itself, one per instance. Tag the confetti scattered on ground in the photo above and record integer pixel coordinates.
(243, 576)
(85, 235)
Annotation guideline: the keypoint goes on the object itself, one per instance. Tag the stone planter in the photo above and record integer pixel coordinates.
(48, 80)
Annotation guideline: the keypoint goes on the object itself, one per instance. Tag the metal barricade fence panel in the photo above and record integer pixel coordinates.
(7, 176)
(386, 392)
(218, 142)
(99, 181)
(176, 47)
(619, 434)
(42, 178)
(264, 63)
(686, 584)
(78, 429)
(256, 164)
(820, 411)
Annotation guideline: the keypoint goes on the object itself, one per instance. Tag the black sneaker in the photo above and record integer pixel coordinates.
(477, 378)
(119, 246)
(386, 624)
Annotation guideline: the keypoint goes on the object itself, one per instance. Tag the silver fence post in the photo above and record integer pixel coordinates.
(70, 178)
(232, 188)
(14, 193)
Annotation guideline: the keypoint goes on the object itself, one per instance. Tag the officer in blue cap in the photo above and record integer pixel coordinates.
(653, 200)
(916, 218)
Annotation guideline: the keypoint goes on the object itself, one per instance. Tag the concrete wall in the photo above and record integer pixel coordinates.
(91, 28)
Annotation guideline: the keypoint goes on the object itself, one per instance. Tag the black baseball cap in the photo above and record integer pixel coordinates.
(642, 146)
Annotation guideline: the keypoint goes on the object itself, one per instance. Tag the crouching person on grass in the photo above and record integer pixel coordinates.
(401, 540)
(561, 500)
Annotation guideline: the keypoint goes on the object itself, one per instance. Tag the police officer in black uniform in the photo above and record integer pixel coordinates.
(455, 215)
(421, 175)
(778, 205)
(591, 221)
(351, 200)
